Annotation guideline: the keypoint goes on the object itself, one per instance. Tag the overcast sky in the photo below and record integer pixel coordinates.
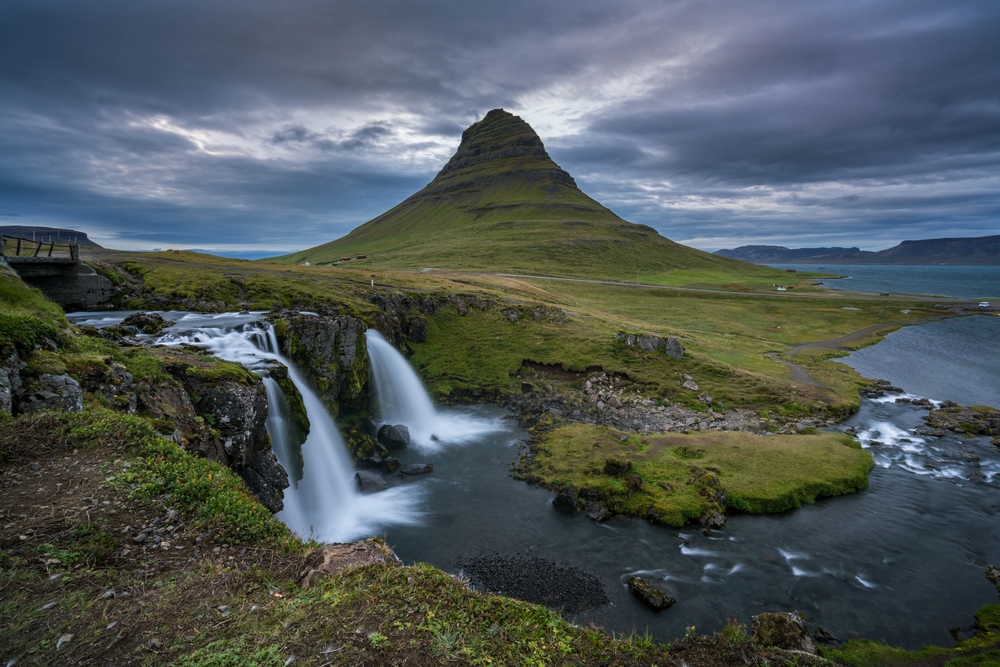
(258, 127)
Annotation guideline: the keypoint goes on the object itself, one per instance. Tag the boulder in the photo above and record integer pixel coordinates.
(50, 392)
(147, 323)
(648, 343)
(673, 348)
(369, 482)
(113, 382)
(690, 385)
(652, 592)
(416, 468)
(393, 436)
(785, 630)
(632, 483)
(389, 464)
(339, 558)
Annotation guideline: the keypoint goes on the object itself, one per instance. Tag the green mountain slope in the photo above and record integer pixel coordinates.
(502, 205)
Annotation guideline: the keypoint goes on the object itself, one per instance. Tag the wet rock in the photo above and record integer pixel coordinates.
(389, 464)
(652, 592)
(566, 500)
(786, 630)
(713, 519)
(147, 323)
(393, 436)
(596, 511)
(369, 482)
(50, 392)
(331, 351)
(977, 420)
(338, 558)
(416, 468)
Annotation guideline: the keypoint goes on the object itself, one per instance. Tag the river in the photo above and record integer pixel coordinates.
(899, 562)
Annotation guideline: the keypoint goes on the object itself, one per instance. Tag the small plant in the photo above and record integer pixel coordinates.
(378, 640)
(690, 632)
(734, 632)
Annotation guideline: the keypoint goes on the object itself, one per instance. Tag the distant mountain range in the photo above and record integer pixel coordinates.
(55, 234)
(983, 250)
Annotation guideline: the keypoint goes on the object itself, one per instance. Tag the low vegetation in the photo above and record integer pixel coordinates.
(674, 479)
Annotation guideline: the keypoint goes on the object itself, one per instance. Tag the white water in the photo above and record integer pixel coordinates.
(324, 505)
(402, 399)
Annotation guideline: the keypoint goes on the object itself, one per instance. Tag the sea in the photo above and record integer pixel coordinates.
(970, 282)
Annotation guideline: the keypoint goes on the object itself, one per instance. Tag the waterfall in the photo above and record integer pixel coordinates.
(324, 503)
(401, 399)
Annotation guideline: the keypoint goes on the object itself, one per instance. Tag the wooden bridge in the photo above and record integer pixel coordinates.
(16, 250)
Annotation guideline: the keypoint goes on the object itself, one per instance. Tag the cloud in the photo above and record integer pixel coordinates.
(194, 123)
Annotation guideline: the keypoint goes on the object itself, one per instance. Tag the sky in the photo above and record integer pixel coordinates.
(254, 128)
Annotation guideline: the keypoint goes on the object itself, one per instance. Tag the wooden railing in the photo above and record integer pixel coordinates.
(14, 246)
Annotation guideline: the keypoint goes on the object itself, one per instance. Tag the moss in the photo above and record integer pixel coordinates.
(44, 361)
(988, 617)
(25, 331)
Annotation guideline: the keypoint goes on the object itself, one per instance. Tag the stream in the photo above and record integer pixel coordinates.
(899, 562)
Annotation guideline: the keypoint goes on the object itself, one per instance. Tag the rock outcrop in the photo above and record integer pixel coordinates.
(393, 436)
(785, 630)
(50, 392)
(331, 350)
(147, 323)
(338, 558)
(671, 346)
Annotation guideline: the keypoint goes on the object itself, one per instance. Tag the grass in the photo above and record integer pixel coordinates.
(681, 473)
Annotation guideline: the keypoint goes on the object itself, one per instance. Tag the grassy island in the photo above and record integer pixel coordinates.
(679, 477)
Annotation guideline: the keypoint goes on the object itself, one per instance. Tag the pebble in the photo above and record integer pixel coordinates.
(224, 610)
(64, 639)
(109, 594)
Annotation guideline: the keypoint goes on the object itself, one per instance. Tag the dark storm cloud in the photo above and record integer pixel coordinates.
(216, 123)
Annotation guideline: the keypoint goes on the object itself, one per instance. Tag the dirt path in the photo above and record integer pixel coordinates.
(799, 374)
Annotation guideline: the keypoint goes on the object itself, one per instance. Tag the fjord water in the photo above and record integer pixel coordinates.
(956, 360)
(972, 282)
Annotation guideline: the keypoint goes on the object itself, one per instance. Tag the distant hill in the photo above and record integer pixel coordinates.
(982, 250)
(501, 204)
(56, 234)
(777, 253)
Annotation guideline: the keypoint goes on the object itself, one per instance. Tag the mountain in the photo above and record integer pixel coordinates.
(501, 204)
(982, 250)
(56, 234)
(777, 253)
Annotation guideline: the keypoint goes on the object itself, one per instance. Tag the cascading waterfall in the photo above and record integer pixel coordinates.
(402, 399)
(324, 503)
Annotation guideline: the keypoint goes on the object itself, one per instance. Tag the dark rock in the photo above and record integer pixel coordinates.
(331, 351)
(713, 519)
(393, 436)
(416, 468)
(652, 592)
(416, 330)
(527, 387)
(460, 306)
(596, 511)
(113, 382)
(390, 464)
(50, 392)
(369, 482)
(147, 323)
(785, 630)
(566, 500)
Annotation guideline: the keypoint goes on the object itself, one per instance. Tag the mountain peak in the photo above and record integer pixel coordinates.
(501, 145)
